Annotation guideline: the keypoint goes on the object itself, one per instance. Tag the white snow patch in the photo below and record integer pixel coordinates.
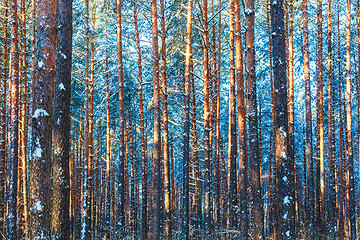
(286, 200)
(61, 86)
(40, 113)
(38, 207)
(38, 152)
(288, 233)
(63, 55)
(285, 179)
(285, 216)
(41, 64)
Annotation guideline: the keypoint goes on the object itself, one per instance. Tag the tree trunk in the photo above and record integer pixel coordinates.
(284, 183)
(310, 181)
(156, 229)
(121, 214)
(207, 147)
(350, 184)
(13, 153)
(320, 168)
(142, 132)
(232, 150)
(42, 120)
(254, 161)
(331, 203)
(186, 157)
(3, 121)
(61, 132)
(167, 195)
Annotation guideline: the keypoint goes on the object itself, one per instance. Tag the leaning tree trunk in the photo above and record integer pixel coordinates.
(42, 120)
(254, 160)
(61, 175)
(13, 125)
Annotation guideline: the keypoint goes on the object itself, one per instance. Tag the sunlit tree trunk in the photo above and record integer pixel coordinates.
(165, 120)
(13, 127)
(61, 132)
(186, 156)
(120, 222)
(310, 181)
(232, 150)
(242, 155)
(320, 168)
(350, 178)
(254, 161)
(42, 120)
(156, 226)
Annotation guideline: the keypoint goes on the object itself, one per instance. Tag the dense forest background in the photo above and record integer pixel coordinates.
(168, 119)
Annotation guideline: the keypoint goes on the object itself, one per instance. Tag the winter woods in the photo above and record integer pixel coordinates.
(194, 119)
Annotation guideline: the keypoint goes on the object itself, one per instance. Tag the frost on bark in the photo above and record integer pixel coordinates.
(13, 125)
(254, 154)
(42, 120)
(284, 165)
(186, 151)
(61, 140)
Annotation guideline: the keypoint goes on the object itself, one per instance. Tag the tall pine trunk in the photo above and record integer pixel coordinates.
(156, 208)
(42, 120)
(61, 132)
(254, 155)
(13, 125)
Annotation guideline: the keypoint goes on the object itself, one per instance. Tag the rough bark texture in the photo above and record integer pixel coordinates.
(285, 192)
(42, 120)
(13, 127)
(3, 121)
(61, 132)
(254, 160)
